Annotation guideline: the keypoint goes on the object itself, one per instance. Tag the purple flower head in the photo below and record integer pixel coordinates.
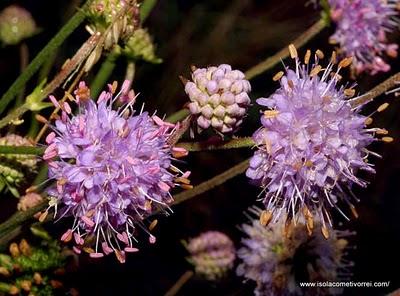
(212, 253)
(311, 144)
(362, 26)
(112, 169)
(279, 256)
(219, 98)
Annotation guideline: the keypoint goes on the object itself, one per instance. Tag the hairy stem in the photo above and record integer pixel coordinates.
(17, 220)
(180, 283)
(212, 183)
(43, 55)
(381, 88)
(21, 150)
(212, 145)
(145, 8)
(177, 116)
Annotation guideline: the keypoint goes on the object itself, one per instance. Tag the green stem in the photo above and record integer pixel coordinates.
(18, 219)
(177, 116)
(145, 9)
(21, 150)
(208, 145)
(106, 69)
(211, 183)
(13, 115)
(267, 64)
(43, 55)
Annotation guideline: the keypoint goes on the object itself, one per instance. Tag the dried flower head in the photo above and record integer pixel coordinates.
(117, 19)
(122, 16)
(279, 256)
(112, 169)
(16, 24)
(212, 253)
(312, 143)
(15, 168)
(219, 97)
(362, 28)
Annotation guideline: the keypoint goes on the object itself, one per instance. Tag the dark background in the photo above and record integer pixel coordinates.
(242, 33)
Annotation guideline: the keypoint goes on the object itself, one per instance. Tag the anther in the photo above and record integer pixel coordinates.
(277, 76)
(293, 51)
(320, 54)
(265, 217)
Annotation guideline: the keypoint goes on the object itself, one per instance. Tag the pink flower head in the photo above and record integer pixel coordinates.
(112, 169)
(311, 144)
(361, 32)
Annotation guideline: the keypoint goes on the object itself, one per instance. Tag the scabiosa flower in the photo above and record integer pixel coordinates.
(15, 168)
(16, 24)
(112, 169)
(212, 253)
(279, 256)
(362, 26)
(311, 144)
(219, 97)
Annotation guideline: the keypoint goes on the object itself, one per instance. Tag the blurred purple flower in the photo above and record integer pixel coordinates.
(279, 256)
(311, 144)
(112, 170)
(362, 26)
(212, 254)
(219, 98)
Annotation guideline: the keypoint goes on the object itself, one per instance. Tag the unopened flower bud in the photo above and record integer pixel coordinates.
(220, 92)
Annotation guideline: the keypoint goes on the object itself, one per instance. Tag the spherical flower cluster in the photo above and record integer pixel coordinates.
(312, 142)
(212, 253)
(219, 97)
(123, 16)
(362, 27)
(112, 169)
(279, 256)
(16, 24)
(14, 168)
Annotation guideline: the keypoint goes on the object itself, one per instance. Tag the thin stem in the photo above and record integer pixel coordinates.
(212, 145)
(43, 55)
(21, 150)
(145, 9)
(179, 283)
(23, 61)
(18, 219)
(106, 69)
(13, 115)
(267, 64)
(377, 90)
(212, 183)
(177, 116)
